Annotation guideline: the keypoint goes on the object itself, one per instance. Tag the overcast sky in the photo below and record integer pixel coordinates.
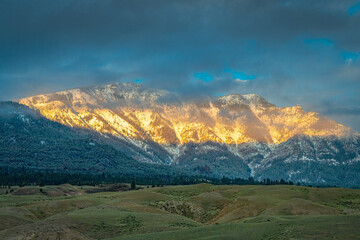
(291, 52)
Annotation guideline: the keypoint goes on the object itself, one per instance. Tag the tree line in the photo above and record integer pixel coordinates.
(26, 177)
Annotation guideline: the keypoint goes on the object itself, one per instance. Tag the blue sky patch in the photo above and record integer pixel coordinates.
(354, 9)
(203, 76)
(240, 75)
(350, 55)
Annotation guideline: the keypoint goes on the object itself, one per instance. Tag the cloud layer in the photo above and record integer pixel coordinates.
(291, 52)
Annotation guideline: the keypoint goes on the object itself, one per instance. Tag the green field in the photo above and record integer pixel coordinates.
(200, 211)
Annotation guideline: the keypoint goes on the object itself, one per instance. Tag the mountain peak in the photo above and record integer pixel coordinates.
(252, 100)
(114, 94)
(131, 93)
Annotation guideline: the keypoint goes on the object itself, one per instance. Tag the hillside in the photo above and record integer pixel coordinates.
(31, 142)
(181, 212)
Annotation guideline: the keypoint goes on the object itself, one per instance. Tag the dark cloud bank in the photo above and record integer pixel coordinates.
(291, 52)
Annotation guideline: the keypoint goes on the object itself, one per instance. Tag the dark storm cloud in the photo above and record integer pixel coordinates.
(297, 51)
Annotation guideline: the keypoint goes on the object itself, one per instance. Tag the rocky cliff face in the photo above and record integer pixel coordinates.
(234, 135)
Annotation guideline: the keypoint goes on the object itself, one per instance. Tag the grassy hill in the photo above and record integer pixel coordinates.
(200, 211)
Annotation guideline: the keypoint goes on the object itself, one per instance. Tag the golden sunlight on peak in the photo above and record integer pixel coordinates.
(185, 123)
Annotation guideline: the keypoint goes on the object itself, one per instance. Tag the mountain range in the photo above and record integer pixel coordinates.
(233, 136)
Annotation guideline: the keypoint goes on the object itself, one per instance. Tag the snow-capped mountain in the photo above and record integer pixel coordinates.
(131, 110)
(234, 135)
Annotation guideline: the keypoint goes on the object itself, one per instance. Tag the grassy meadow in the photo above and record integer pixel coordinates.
(202, 211)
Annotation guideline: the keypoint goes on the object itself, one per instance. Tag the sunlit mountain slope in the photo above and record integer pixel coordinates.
(133, 111)
(234, 135)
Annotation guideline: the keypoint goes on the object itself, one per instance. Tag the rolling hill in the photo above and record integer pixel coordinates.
(200, 211)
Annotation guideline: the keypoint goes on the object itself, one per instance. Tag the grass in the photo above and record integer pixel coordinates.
(202, 211)
(299, 227)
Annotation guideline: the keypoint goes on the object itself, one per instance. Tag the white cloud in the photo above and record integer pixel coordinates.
(240, 80)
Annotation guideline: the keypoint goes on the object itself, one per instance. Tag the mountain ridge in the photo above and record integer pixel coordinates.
(233, 136)
(138, 107)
